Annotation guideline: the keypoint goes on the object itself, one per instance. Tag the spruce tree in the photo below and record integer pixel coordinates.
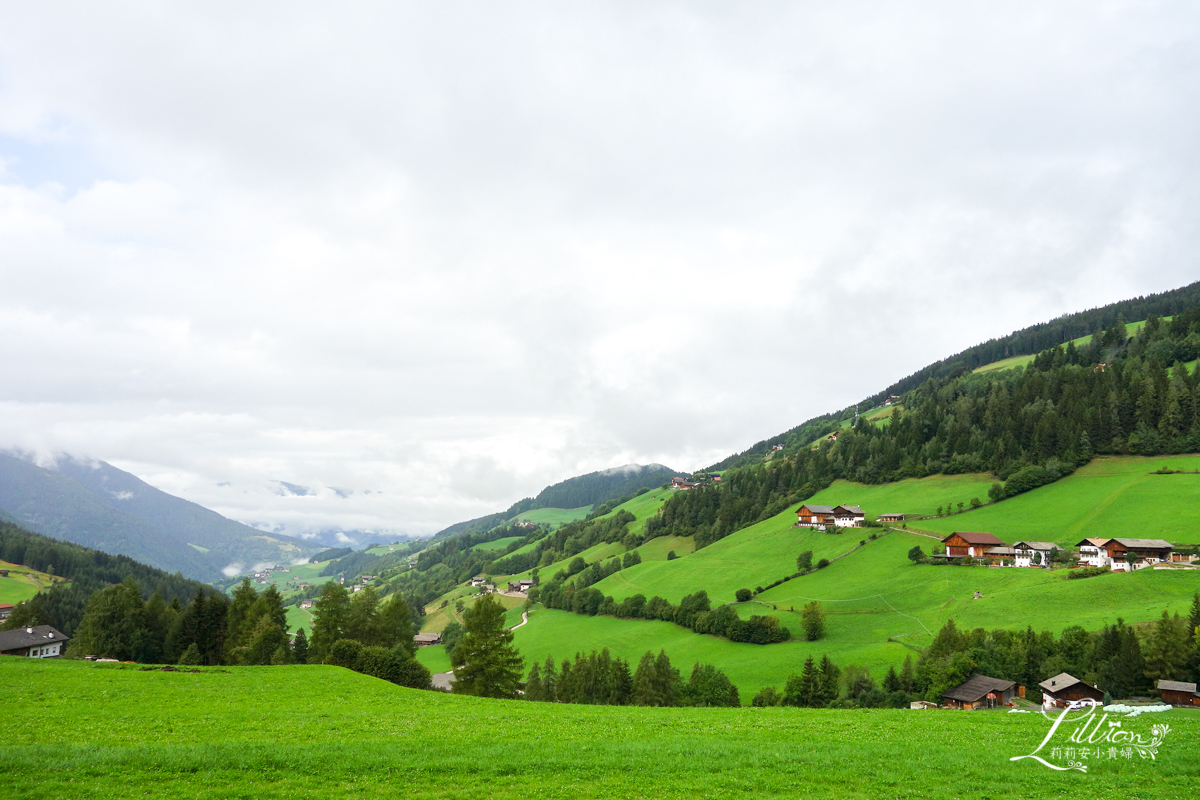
(485, 662)
(534, 692)
(300, 647)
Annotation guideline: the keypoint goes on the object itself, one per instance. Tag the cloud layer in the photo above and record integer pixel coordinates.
(438, 257)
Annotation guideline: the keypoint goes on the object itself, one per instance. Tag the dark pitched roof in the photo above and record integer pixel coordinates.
(1047, 546)
(1060, 682)
(30, 637)
(976, 688)
(816, 509)
(1146, 544)
(1177, 686)
(855, 510)
(975, 537)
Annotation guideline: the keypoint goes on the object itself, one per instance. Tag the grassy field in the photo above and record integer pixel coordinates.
(106, 731)
(1131, 329)
(498, 544)
(555, 516)
(1110, 497)
(299, 619)
(909, 496)
(751, 557)
(23, 583)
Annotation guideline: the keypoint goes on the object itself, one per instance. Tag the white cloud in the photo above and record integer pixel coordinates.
(451, 254)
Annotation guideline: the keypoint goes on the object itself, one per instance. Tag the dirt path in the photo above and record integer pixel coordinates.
(524, 619)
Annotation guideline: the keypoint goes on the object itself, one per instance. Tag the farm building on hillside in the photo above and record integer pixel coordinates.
(39, 641)
(1062, 689)
(5, 610)
(427, 639)
(980, 691)
(683, 483)
(520, 586)
(892, 400)
(479, 580)
(811, 516)
(1033, 554)
(1179, 693)
(1005, 554)
(848, 516)
(891, 518)
(1115, 553)
(968, 544)
(306, 604)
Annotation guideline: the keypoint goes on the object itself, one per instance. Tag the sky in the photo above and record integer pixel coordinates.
(425, 259)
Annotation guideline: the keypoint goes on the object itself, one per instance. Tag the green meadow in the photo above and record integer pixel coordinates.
(114, 731)
(498, 544)
(1112, 496)
(554, 516)
(920, 496)
(22, 583)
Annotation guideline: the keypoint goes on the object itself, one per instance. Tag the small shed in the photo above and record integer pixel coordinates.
(1179, 693)
(427, 639)
(1063, 689)
(891, 518)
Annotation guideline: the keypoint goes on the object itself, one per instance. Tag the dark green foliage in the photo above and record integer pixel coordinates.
(331, 554)
(804, 690)
(485, 662)
(450, 636)
(331, 620)
(743, 595)
(767, 696)
(344, 653)
(191, 656)
(671, 555)
(916, 554)
(1087, 572)
(823, 563)
(87, 570)
(396, 665)
(656, 682)
(813, 615)
(709, 686)
(202, 623)
(300, 647)
(114, 625)
(804, 561)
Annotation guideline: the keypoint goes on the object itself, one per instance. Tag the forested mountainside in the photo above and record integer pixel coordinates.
(583, 490)
(1026, 341)
(86, 570)
(100, 506)
(1029, 426)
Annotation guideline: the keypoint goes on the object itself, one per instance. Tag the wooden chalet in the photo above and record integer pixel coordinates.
(1179, 693)
(1146, 551)
(1063, 689)
(848, 516)
(891, 518)
(811, 516)
(427, 639)
(980, 691)
(969, 544)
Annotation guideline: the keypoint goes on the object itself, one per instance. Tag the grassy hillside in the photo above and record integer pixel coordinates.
(911, 496)
(498, 544)
(555, 516)
(239, 732)
(23, 583)
(1109, 497)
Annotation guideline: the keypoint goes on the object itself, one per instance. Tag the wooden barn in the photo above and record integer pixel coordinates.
(1179, 693)
(891, 517)
(969, 544)
(1063, 688)
(980, 691)
(810, 516)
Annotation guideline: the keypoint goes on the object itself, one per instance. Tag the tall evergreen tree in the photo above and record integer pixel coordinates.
(485, 662)
(331, 618)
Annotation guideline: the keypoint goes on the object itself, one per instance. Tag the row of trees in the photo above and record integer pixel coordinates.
(694, 611)
(600, 679)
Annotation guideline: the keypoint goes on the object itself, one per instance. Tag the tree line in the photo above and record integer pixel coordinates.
(601, 679)
(1028, 426)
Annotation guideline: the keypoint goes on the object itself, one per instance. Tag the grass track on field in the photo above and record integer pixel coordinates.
(110, 732)
(498, 544)
(299, 619)
(1113, 496)
(555, 516)
(909, 496)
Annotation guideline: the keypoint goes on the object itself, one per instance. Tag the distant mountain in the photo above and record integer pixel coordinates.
(582, 490)
(97, 505)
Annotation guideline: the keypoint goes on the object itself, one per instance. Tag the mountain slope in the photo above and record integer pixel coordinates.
(104, 508)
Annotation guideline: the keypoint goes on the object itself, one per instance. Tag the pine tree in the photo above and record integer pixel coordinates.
(830, 679)
(485, 662)
(300, 647)
(1166, 649)
(534, 691)
(331, 616)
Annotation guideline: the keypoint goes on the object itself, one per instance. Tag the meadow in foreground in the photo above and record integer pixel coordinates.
(121, 731)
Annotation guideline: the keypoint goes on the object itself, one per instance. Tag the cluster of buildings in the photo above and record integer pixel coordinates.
(815, 516)
(1120, 555)
(700, 482)
(1060, 691)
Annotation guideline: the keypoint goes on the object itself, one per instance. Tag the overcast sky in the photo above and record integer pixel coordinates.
(444, 254)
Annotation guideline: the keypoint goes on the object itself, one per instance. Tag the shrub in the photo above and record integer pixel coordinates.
(823, 563)
(767, 696)
(813, 615)
(743, 595)
(345, 653)
(671, 555)
(1086, 572)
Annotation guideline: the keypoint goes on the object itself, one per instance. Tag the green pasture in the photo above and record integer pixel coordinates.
(753, 556)
(112, 732)
(657, 548)
(554, 516)
(914, 496)
(1113, 496)
(297, 619)
(23, 583)
(498, 544)
(1131, 329)
(434, 658)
